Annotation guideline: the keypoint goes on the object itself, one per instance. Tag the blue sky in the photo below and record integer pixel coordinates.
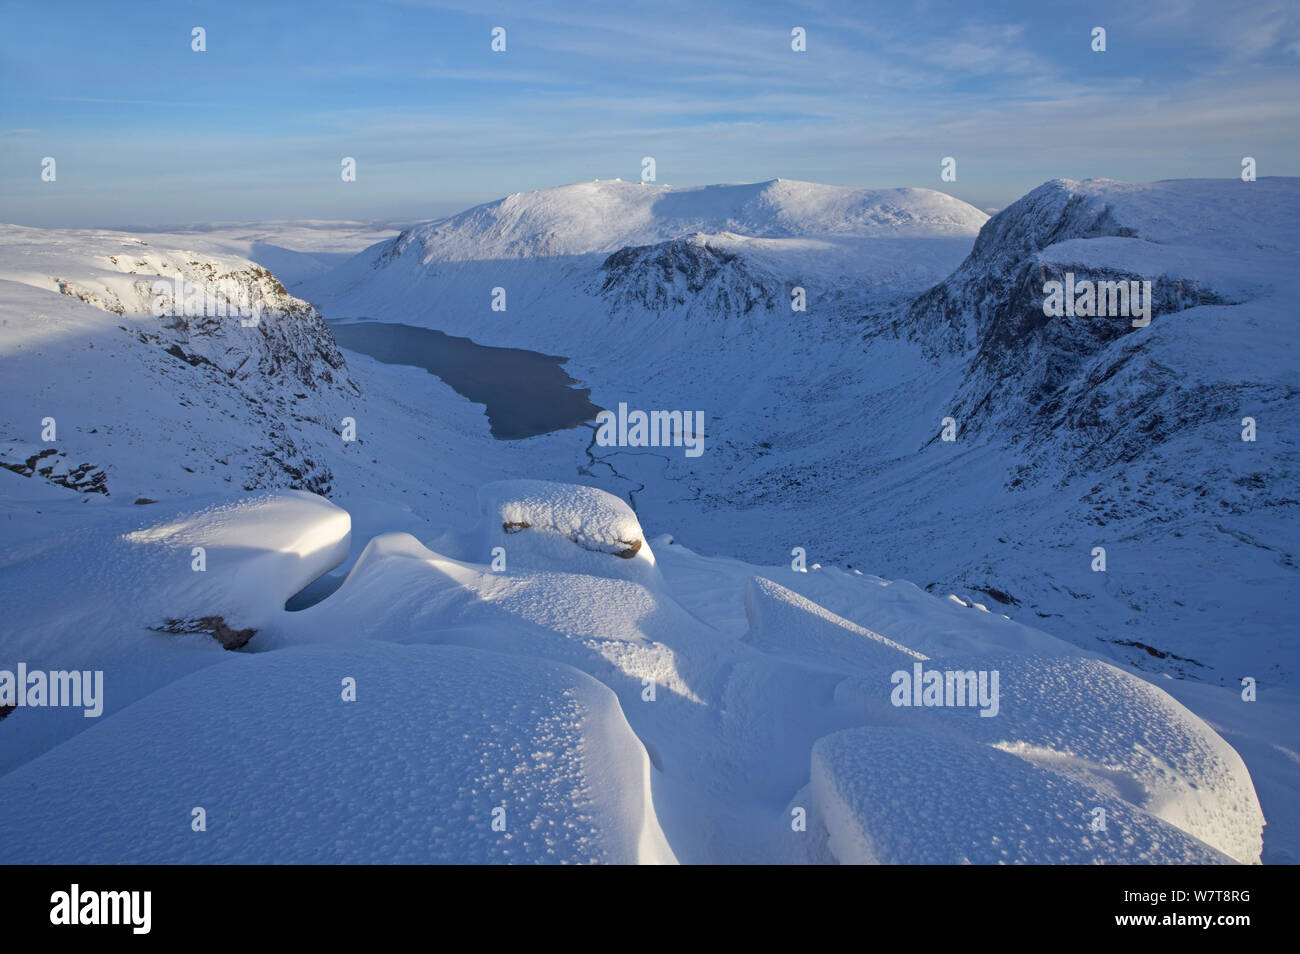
(146, 131)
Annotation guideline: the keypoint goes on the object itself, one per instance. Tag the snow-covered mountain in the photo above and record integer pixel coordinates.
(503, 634)
(605, 253)
(1132, 437)
(92, 321)
(1072, 432)
(606, 216)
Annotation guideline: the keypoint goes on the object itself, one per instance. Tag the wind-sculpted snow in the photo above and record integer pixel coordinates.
(440, 744)
(784, 623)
(615, 716)
(256, 552)
(550, 524)
(897, 796)
(140, 592)
(1090, 722)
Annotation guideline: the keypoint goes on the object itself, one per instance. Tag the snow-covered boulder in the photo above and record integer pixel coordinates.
(238, 559)
(543, 525)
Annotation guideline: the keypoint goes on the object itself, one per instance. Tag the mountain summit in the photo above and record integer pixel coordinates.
(607, 215)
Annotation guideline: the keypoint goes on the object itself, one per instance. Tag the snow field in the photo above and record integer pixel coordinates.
(611, 721)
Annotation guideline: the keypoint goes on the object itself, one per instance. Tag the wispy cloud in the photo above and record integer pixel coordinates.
(256, 126)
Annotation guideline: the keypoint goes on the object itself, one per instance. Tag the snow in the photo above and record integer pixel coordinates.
(606, 216)
(258, 551)
(287, 772)
(678, 702)
(783, 622)
(535, 520)
(117, 271)
(293, 251)
(612, 720)
(906, 797)
(1090, 722)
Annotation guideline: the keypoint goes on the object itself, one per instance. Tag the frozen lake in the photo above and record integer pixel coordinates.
(526, 393)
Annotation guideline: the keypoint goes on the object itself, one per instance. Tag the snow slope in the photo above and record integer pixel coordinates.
(611, 719)
(823, 426)
(770, 687)
(79, 334)
(438, 740)
(606, 216)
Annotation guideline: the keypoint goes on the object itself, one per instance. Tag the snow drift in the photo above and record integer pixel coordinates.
(611, 716)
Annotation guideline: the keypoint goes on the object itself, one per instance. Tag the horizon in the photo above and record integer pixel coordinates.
(388, 223)
(253, 128)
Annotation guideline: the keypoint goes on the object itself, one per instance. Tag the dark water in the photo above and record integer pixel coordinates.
(526, 393)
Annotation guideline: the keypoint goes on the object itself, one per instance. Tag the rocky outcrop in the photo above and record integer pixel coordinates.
(222, 332)
(1088, 381)
(697, 272)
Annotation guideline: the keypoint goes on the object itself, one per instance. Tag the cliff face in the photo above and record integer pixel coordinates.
(694, 272)
(206, 330)
(1097, 383)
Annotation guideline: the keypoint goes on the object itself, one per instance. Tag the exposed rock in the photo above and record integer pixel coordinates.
(698, 272)
(214, 626)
